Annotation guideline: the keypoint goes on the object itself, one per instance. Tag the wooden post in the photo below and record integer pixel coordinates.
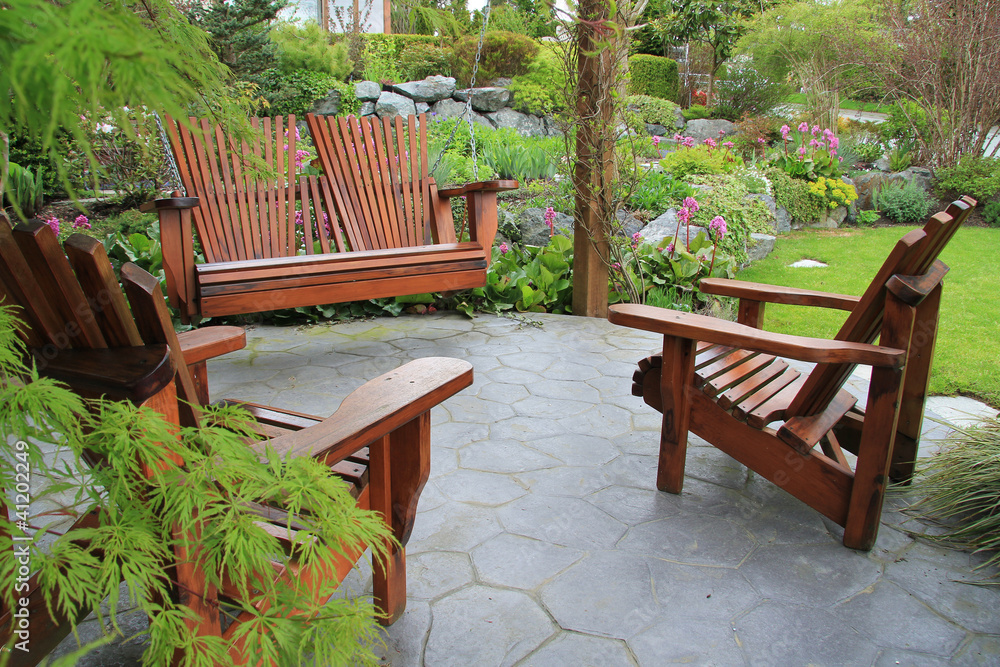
(594, 171)
(386, 16)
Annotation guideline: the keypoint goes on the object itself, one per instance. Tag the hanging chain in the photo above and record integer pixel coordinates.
(175, 174)
(468, 103)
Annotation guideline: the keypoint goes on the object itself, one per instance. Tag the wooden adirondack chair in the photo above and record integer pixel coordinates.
(366, 229)
(82, 332)
(726, 383)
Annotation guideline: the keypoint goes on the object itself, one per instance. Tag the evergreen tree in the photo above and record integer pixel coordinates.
(239, 32)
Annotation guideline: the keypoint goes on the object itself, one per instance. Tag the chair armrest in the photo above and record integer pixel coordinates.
(480, 186)
(169, 203)
(198, 345)
(135, 373)
(777, 294)
(723, 332)
(377, 408)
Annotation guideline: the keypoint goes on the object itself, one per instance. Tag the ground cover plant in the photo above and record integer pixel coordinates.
(966, 356)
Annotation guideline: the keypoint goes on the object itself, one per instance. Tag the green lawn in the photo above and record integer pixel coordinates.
(967, 356)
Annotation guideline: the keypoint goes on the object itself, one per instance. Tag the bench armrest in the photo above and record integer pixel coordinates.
(169, 203)
(135, 373)
(723, 332)
(480, 186)
(777, 294)
(198, 345)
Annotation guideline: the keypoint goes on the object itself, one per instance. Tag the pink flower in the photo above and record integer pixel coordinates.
(504, 249)
(616, 266)
(53, 224)
(656, 140)
(550, 219)
(298, 137)
(718, 225)
(678, 137)
(635, 240)
(684, 214)
(722, 133)
(784, 131)
(813, 143)
(762, 140)
(709, 142)
(81, 221)
(828, 133)
(834, 142)
(298, 218)
(728, 144)
(300, 156)
(833, 151)
(670, 248)
(688, 142)
(803, 126)
(815, 130)
(691, 204)
(802, 151)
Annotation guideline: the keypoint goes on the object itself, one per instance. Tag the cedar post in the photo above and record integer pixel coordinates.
(594, 171)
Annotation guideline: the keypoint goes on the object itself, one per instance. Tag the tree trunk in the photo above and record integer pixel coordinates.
(4, 169)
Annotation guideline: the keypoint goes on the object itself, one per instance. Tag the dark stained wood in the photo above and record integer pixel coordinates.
(378, 441)
(737, 387)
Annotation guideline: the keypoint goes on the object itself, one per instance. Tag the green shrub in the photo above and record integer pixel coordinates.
(24, 190)
(684, 162)
(653, 110)
(750, 129)
(696, 112)
(868, 218)
(991, 214)
(658, 191)
(541, 90)
(296, 92)
(421, 60)
(743, 91)
(654, 76)
(903, 203)
(978, 177)
(504, 54)
(381, 54)
(729, 198)
(509, 157)
(794, 195)
(307, 47)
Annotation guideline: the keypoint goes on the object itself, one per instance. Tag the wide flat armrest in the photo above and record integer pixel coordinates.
(377, 408)
(480, 186)
(169, 203)
(777, 294)
(723, 332)
(123, 373)
(198, 345)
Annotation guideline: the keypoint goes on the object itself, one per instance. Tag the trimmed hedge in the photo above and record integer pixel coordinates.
(654, 76)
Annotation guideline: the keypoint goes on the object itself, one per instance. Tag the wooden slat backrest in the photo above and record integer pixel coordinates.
(378, 171)
(238, 216)
(913, 255)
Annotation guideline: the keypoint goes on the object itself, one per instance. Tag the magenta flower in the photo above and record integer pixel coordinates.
(784, 131)
(81, 221)
(684, 214)
(728, 144)
(300, 156)
(718, 225)
(803, 126)
(669, 249)
(709, 142)
(722, 133)
(762, 140)
(691, 204)
(834, 142)
(813, 143)
(298, 218)
(298, 136)
(53, 224)
(550, 219)
(635, 240)
(802, 151)
(616, 266)
(688, 142)
(504, 249)
(833, 151)
(815, 130)
(828, 133)
(656, 140)
(678, 137)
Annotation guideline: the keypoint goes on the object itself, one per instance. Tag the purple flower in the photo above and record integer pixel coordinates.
(298, 218)
(784, 131)
(81, 221)
(710, 142)
(550, 219)
(803, 126)
(718, 225)
(503, 249)
(691, 204)
(53, 224)
(684, 214)
(300, 156)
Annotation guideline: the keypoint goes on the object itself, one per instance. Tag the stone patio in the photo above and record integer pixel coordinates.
(541, 539)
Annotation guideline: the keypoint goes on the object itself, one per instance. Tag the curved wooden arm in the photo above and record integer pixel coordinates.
(777, 294)
(480, 186)
(723, 332)
(169, 203)
(198, 345)
(135, 373)
(377, 408)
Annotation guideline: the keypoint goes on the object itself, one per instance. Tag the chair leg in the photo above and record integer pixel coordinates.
(676, 380)
(919, 358)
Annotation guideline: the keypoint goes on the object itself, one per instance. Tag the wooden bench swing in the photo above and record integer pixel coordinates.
(373, 225)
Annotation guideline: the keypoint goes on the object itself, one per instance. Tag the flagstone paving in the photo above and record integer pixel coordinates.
(541, 538)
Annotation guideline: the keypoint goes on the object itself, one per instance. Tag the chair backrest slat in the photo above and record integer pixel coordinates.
(97, 278)
(914, 254)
